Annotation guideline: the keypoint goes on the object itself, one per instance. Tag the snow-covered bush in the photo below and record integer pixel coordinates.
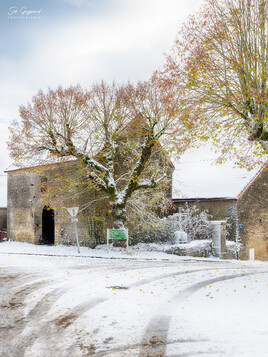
(65, 238)
(196, 225)
(232, 249)
(189, 220)
(198, 248)
(180, 237)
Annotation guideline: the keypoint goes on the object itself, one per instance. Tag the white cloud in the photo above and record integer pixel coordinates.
(125, 42)
(5, 161)
(110, 46)
(78, 3)
(4, 135)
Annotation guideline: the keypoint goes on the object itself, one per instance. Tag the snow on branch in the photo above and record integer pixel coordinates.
(149, 183)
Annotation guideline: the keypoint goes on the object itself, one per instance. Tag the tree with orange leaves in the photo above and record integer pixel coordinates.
(220, 62)
(110, 131)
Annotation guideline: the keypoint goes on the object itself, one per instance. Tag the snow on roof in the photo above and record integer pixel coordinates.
(45, 162)
(199, 178)
(261, 169)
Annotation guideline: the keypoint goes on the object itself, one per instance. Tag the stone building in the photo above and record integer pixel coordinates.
(41, 217)
(30, 214)
(234, 195)
(37, 211)
(252, 214)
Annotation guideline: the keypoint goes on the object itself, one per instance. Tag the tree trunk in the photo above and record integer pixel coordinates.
(119, 216)
(119, 222)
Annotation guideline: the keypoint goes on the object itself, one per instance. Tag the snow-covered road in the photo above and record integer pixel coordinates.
(83, 306)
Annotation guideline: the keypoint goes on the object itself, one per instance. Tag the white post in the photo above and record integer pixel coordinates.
(180, 218)
(127, 241)
(107, 241)
(73, 212)
(216, 237)
(75, 228)
(251, 254)
(237, 246)
(219, 238)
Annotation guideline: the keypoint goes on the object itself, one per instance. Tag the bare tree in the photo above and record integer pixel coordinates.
(220, 61)
(111, 131)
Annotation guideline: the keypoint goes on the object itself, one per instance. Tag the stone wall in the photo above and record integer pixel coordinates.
(3, 219)
(220, 210)
(25, 207)
(253, 218)
(21, 188)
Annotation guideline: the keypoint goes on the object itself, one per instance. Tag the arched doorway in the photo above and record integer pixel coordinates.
(48, 229)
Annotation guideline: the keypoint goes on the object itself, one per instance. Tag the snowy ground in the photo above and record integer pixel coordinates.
(147, 304)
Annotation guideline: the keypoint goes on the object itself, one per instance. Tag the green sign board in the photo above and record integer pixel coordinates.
(117, 234)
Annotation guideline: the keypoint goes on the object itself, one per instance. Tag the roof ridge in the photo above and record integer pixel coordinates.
(253, 179)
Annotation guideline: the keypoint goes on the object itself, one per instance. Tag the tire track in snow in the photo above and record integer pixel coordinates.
(34, 326)
(155, 337)
(9, 280)
(31, 326)
(58, 325)
(14, 319)
(131, 347)
(169, 275)
(27, 286)
(36, 315)
(84, 307)
(13, 294)
(67, 319)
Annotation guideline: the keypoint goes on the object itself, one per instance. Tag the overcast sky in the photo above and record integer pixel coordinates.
(46, 43)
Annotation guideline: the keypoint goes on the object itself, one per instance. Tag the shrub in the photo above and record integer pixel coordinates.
(188, 220)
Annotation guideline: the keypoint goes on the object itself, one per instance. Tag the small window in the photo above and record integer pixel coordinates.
(43, 185)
